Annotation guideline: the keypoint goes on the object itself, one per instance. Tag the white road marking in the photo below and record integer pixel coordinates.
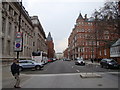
(66, 74)
(77, 70)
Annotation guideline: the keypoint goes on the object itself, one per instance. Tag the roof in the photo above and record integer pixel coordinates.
(49, 38)
(80, 16)
(117, 43)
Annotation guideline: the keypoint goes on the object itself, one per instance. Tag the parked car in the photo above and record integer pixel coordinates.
(109, 63)
(66, 59)
(29, 64)
(79, 61)
(54, 59)
(50, 60)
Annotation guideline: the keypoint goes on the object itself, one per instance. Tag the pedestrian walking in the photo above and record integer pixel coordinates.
(16, 73)
(92, 60)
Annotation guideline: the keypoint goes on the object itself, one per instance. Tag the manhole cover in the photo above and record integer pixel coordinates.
(99, 84)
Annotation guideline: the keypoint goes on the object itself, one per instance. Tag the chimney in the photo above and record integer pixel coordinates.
(85, 16)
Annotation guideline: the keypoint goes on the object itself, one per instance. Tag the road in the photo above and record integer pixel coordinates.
(65, 74)
(61, 67)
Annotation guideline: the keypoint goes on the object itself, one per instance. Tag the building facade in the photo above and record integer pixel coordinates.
(65, 53)
(90, 40)
(12, 13)
(50, 44)
(81, 42)
(115, 51)
(39, 39)
(59, 55)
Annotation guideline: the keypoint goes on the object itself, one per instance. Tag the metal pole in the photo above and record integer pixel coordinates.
(19, 25)
(96, 37)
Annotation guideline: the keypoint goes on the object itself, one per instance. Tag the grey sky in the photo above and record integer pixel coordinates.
(59, 16)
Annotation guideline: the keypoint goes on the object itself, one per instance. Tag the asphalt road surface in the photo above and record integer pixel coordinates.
(65, 74)
(61, 67)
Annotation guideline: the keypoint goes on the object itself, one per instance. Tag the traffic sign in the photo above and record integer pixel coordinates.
(18, 42)
(19, 35)
(17, 45)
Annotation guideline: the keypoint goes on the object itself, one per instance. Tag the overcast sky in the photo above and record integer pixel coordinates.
(59, 16)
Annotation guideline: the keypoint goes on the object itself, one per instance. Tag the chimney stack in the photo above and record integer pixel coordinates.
(85, 16)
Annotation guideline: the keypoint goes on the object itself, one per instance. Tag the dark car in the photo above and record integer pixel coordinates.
(109, 63)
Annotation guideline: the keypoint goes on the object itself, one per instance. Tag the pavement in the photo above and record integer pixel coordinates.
(8, 80)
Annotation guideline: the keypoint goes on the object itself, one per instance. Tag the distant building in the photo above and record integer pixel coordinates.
(115, 51)
(59, 55)
(65, 53)
(50, 44)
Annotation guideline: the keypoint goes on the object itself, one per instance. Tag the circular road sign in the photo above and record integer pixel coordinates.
(17, 45)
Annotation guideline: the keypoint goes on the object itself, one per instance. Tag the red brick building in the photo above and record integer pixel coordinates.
(65, 53)
(81, 42)
(50, 44)
(106, 35)
(90, 40)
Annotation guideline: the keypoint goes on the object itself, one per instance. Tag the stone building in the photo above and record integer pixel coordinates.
(11, 11)
(50, 44)
(59, 55)
(39, 39)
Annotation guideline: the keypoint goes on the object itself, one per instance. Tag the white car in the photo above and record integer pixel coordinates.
(79, 62)
(29, 64)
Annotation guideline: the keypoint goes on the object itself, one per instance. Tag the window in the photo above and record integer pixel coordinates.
(2, 45)
(97, 43)
(33, 43)
(3, 25)
(100, 53)
(82, 30)
(105, 52)
(88, 30)
(9, 29)
(106, 37)
(4, 5)
(106, 32)
(8, 47)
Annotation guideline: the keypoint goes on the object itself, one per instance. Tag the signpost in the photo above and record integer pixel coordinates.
(19, 36)
(18, 42)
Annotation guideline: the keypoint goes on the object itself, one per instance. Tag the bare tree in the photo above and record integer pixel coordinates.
(107, 19)
(108, 15)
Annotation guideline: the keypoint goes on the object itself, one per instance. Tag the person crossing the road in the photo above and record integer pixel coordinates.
(16, 73)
